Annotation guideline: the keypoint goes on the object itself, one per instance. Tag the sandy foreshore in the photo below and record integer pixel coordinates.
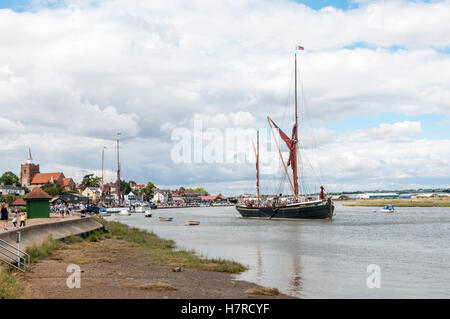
(115, 268)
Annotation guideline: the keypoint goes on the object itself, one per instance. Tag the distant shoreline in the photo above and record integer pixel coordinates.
(400, 202)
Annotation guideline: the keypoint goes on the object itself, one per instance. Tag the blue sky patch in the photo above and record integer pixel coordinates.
(433, 126)
(319, 4)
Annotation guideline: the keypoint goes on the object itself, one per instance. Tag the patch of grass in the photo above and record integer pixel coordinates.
(163, 250)
(79, 259)
(94, 236)
(158, 286)
(262, 291)
(72, 239)
(10, 288)
(38, 252)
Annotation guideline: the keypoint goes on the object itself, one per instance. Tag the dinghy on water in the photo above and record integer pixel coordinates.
(192, 223)
(148, 214)
(388, 209)
(124, 213)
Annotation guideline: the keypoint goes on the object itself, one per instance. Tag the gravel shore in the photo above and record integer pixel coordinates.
(113, 268)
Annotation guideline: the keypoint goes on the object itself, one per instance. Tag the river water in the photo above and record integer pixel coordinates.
(322, 259)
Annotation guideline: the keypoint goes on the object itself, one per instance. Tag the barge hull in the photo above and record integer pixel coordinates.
(322, 211)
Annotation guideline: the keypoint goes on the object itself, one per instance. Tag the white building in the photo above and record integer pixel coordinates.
(378, 195)
(11, 190)
(93, 193)
(131, 198)
(160, 197)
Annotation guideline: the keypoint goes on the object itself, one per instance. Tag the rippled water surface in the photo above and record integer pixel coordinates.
(322, 259)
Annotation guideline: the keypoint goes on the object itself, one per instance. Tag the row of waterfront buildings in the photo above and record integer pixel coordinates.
(32, 178)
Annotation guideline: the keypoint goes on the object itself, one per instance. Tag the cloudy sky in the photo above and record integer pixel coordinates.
(375, 93)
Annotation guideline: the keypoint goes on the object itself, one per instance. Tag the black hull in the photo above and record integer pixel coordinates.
(324, 210)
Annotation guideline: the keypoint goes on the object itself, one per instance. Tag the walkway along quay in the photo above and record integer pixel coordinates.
(38, 233)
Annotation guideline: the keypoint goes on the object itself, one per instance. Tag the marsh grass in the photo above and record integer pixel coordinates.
(163, 251)
(72, 239)
(38, 252)
(158, 286)
(262, 291)
(10, 287)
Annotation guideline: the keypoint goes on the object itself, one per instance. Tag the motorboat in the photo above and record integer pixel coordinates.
(141, 207)
(148, 214)
(192, 223)
(124, 212)
(388, 209)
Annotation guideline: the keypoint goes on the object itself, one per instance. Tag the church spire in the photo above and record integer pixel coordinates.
(30, 158)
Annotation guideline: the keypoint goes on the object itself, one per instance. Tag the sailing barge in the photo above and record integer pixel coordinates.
(323, 208)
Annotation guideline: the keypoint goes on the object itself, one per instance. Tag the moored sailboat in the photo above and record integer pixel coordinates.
(322, 208)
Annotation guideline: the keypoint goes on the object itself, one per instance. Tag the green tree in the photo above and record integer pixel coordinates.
(54, 190)
(147, 192)
(9, 199)
(9, 178)
(200, 190)
(90, 181)
(194, 190)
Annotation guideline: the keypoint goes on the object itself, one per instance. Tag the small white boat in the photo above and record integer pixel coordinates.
(116, 210)
(388, 209)
(124, 213)
(141, 208)
(148, 214)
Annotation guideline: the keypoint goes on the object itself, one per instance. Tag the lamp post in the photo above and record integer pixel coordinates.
(118, 167)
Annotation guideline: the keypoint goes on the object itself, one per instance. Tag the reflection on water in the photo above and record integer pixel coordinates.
(322, 259)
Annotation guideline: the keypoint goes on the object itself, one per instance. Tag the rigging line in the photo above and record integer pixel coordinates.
(308, 117)
(291, 80)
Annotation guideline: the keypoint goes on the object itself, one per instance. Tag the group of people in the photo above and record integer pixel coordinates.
(62, 209)
(6, 212)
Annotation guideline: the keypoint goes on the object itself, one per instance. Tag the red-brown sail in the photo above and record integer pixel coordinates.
(291, 143)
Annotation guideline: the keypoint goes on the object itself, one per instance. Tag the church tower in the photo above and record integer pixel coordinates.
(28, 171)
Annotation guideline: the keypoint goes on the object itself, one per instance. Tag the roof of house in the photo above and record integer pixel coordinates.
(38, 193)
(44, 178)
(66, 181)
(212, 197)
(19, 202)
(11, 187)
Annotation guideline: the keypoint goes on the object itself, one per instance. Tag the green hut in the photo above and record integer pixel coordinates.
(38, 204)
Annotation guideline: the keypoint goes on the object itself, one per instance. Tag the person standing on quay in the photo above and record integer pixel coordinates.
(4, 217)
(14, 221)
(23, 218)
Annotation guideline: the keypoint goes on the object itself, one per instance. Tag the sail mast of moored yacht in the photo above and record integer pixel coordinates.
(294, 158)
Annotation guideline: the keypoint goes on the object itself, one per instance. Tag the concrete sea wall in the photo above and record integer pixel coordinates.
(36, 234)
